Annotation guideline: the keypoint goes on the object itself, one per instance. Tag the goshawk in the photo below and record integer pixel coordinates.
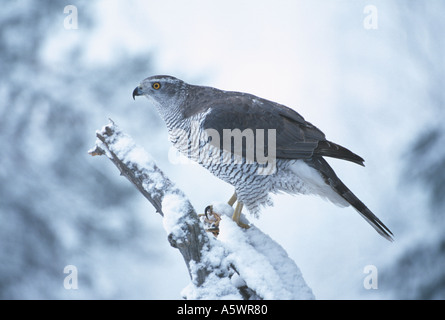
(256, 145)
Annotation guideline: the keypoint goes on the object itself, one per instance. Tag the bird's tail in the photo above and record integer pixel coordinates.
(331, 149)
(339, 187)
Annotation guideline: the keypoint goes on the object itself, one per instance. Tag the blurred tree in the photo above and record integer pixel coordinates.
(419, 272)
(53, 209)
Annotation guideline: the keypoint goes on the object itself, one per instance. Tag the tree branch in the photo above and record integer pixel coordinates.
(239, 264)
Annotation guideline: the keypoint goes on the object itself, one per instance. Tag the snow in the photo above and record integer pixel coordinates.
(125, 148)
(215, 288)
(175, 208)
(260, 263)
(237, 258)
(363, 88)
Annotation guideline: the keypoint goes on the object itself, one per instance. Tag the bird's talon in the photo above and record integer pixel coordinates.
(214, 231)
(211, 220)
(242, 225)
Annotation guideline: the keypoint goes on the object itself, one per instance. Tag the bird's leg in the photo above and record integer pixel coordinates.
(237, 215)
(232, 199)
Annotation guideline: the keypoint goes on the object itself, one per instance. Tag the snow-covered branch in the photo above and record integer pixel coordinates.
(180, 219)
(239, 264)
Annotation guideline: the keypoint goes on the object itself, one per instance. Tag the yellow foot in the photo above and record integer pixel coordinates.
(232, 199)
(237, 215)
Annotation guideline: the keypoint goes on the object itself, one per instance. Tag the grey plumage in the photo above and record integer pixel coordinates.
(191, 112)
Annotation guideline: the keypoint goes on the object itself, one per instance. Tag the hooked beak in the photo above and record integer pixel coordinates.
(137, 92)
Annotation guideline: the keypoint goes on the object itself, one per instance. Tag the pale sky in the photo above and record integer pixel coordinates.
(313, 56)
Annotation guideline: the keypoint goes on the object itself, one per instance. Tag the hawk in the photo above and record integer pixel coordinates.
(256, 145)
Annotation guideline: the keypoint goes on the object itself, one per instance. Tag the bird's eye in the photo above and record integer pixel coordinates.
(156, 86)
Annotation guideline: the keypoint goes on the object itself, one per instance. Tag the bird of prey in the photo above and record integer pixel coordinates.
(278, 150)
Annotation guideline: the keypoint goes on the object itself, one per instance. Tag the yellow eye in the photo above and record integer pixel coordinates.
(156, 86)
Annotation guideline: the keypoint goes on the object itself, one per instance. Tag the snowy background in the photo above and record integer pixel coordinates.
(378, 92)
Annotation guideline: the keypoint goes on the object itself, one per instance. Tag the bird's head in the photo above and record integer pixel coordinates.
(164, 91)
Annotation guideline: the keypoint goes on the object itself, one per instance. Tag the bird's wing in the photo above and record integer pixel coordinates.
(295, 137)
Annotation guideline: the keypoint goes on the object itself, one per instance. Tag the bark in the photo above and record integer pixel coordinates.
(217, 268)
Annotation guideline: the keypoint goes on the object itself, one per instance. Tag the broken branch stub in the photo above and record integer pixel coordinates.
(180, 219)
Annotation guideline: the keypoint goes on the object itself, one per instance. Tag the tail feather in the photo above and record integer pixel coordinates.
(340, 188)
(333, 150)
